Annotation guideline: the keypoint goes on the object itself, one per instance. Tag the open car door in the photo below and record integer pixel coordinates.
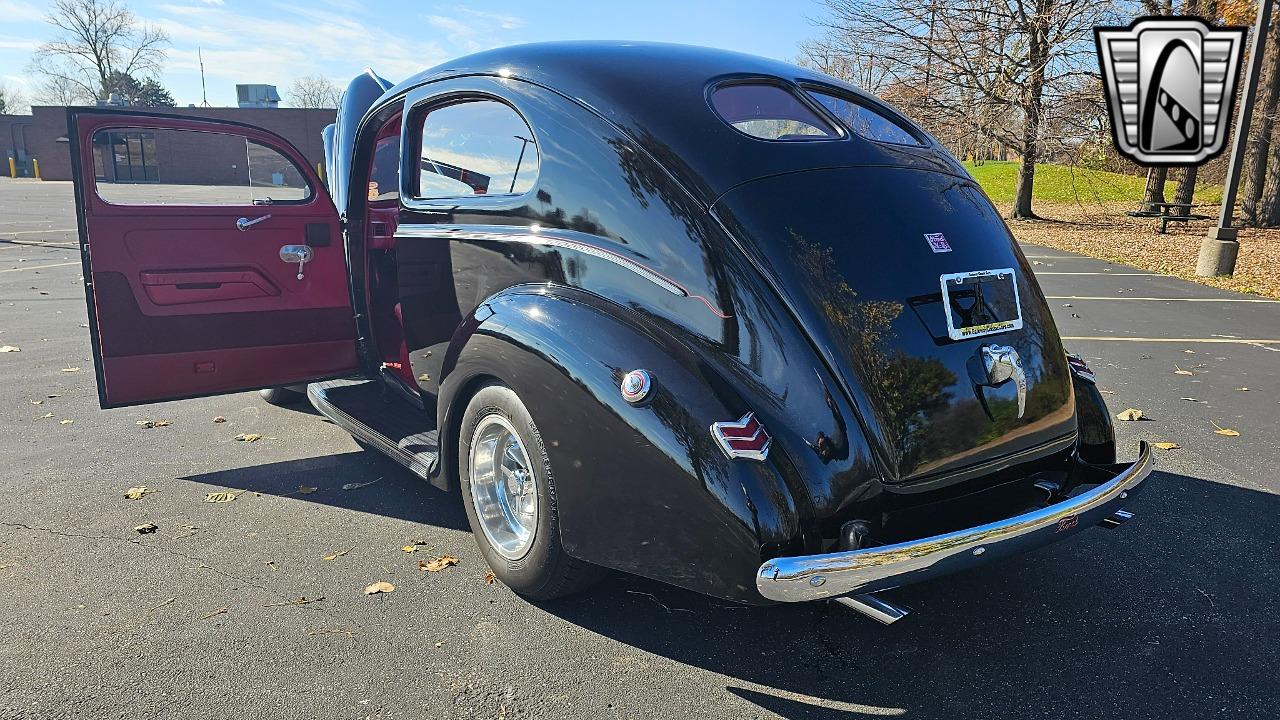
(213, 258)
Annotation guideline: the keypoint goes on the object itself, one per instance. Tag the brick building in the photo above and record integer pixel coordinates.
(150, 157)
(14, 130)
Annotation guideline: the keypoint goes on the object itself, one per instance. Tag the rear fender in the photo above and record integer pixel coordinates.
(640, 488)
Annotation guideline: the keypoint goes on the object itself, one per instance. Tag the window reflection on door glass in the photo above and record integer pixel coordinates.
(477, 147)
(185, 167)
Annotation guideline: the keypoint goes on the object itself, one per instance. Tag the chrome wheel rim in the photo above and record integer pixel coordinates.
(504, 492)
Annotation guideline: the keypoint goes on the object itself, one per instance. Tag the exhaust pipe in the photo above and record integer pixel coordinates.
(1116, 519)
(874, 607)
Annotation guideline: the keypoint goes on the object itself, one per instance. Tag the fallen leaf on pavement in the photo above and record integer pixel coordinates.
(357, 486)
(10, 348)
(65, 422)
(222, 497)
(437, 564)
(219, 611)
(1179, 371)
(147, 424)
(1195, 400)
(489, 578)
(146, 529)
(219, 419)
(337, 555)
(271, 564)
(440, 644)
(306, 489)
(1167, 445)
(1224, 431)
(379, 587)
(45, 416)
(410, 548)
(1243, 389)
(37, 402)
(134, 493)
(70, 369)
(1129, 414)
(248, 437)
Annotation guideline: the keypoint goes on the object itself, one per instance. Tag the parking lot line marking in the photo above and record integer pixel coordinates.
(39, 267)
(1104, 273)
(37, 232)
(1162, 299)
(1222, 341)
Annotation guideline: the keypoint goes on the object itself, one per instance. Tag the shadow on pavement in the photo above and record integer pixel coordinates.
(398, 494)
(1164, 617)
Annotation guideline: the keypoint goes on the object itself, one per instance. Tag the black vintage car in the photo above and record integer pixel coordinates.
(699, 316)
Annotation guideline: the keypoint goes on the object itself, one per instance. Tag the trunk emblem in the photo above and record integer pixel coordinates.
(744, 438)
(1002, 364)
(937, 242)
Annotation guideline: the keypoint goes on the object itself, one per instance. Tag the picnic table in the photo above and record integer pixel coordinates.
(1164, 211)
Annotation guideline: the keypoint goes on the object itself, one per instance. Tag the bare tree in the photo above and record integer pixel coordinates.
(979, 72)
(95, 40)
(60, 91)
(313, 91)
(12, 101)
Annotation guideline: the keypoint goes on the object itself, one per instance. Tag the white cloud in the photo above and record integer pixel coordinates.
(474, 30)
(12, 44)
(12, 10)
(219, 3)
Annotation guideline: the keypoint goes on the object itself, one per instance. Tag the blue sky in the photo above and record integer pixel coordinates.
(275, 41)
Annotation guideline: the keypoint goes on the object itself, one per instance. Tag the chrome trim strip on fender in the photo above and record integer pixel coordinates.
(813, 577)
(567, 239)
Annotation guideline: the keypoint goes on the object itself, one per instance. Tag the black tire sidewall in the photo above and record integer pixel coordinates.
(532, 573)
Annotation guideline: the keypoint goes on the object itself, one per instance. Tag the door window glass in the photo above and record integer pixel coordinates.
(186, 167)
(476, 147)
(864, 121)
(769, 112)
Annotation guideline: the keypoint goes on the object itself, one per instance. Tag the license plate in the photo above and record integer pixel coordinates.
(981, 302)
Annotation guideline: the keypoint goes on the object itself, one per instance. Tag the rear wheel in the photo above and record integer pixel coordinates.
(281, 396)
(508, 489)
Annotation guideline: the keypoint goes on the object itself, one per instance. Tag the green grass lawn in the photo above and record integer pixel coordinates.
(1062, 183)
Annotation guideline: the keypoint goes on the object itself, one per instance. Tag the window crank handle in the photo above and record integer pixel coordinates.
(245, 223)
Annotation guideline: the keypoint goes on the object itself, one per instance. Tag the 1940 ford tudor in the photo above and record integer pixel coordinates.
(699, 316)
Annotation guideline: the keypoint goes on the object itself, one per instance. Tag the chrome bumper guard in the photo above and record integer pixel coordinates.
(813, 577)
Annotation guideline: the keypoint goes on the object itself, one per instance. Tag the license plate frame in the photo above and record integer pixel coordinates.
(978, 279)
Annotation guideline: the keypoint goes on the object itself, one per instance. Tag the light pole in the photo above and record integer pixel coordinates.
(1219, 248)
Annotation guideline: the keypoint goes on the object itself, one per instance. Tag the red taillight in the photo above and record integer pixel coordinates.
(743, 438)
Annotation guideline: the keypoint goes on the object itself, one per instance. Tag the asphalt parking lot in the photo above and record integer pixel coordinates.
(232, 609)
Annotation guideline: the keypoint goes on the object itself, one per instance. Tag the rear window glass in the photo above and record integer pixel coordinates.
(864, 121)
(769, 112)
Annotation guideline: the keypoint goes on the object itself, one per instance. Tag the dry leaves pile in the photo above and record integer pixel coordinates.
(1102, 230)
(136, 493)
(248, 437)
(148, 424)
(1130, 414)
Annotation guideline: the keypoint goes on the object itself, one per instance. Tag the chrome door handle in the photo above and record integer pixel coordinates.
(245, 223)
(300, 254)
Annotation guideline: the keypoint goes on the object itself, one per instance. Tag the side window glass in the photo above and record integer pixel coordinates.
(157, 166)
(384, 176)
(769, 112)
(476, 147)
(864, 121)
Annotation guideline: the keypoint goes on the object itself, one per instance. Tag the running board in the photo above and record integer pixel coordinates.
(382, 419)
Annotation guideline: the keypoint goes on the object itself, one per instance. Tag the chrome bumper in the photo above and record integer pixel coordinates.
(812, 577)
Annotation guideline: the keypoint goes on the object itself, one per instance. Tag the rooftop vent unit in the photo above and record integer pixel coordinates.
(257, 96)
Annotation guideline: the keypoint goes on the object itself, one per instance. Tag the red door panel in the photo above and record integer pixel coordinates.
(182, 301)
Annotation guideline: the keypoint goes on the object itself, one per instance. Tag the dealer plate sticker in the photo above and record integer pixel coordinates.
(981, 302)
(937, 242)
